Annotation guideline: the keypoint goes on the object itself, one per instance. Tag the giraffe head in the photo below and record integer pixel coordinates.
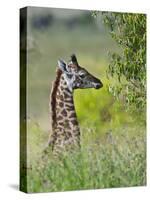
(76, 76)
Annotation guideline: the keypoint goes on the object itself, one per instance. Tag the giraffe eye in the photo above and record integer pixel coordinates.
(82, 75)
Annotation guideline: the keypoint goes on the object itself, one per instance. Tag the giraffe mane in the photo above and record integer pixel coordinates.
(53, 97)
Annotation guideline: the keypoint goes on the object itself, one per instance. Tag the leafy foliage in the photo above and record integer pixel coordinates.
(129, 65)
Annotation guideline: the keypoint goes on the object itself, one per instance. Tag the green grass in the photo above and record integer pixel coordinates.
(116, 159)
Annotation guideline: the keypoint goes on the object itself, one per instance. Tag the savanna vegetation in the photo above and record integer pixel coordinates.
(113, 124)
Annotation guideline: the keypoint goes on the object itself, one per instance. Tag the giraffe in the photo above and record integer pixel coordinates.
(65, 127)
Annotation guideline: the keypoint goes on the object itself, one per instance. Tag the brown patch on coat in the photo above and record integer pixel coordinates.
(61, 123)
(61, 104)
(59, 117)
(64, 113)
(74, 122)
(72, 115)
(69, 107)
(66, 95)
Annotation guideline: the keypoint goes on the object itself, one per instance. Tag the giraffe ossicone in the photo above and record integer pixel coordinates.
(65, 127)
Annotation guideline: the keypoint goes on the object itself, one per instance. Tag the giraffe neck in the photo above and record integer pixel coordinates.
(64, 120)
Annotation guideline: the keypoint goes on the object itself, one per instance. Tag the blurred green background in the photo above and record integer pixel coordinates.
(57, 33)
(54, 34)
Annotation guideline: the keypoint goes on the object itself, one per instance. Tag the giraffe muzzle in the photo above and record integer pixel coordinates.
(98, 85)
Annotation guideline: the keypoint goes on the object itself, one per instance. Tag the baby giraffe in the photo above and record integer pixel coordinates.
(65, 128)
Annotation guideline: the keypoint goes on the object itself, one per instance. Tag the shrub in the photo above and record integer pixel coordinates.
(129, 65)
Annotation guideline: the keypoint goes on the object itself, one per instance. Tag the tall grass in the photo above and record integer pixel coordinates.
(109, 161)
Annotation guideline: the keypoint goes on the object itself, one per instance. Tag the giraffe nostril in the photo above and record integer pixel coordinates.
(98, 85)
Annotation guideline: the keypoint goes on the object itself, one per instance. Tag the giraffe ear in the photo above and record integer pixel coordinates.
(62, 65)
(74, 59)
